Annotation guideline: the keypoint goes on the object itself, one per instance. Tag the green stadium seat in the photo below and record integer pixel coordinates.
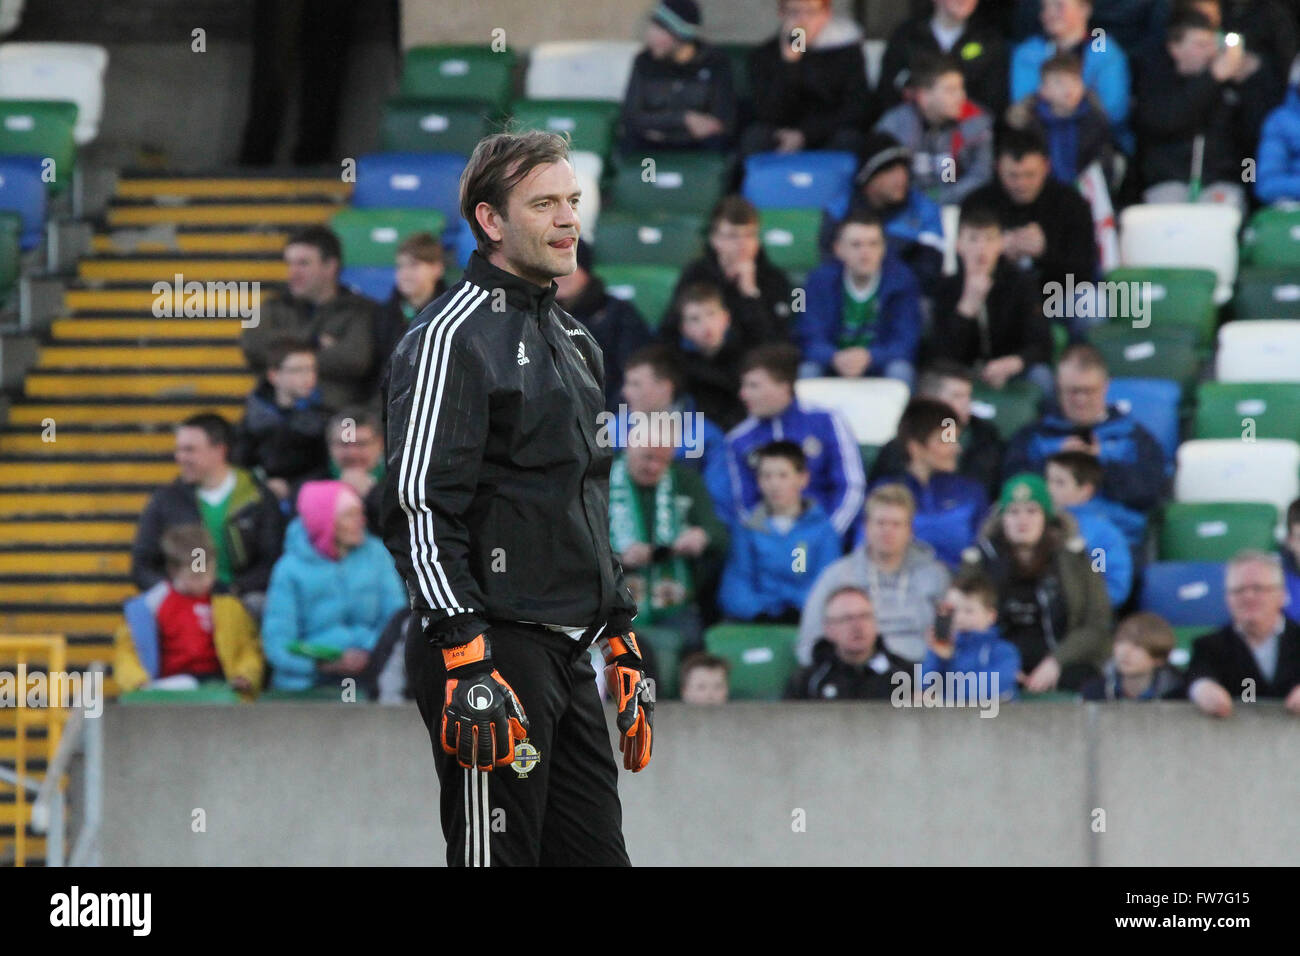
(1273, 407)
(1184, 638)
(789, 237)
(1215, 531)
(1272, 239)
(682, 182)
(464, 73)
(1178, 296)
(869, 455)
(1009, 408)
(43, 129)
(761, 657)
(370, 237)
(589, 123)
(667, 646)
(654, 239)
(1270, 293)
(1168, 352)
(648, 287)
(434, 126)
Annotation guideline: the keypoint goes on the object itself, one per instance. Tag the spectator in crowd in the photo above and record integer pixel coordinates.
(282, 435)
(863, 309)
(331, 595)
(756, 293)
(356, 449)
(809, 83)
(780, 549)
(1190, 108)
(180, 629)
(1052, 605)
(949, 506)
(680, 92)
(1132, 462)
(1291, 556)
(1105, 65)
(704, 679)
(950, 137)
(1256, 656)
(902, 576)
(989, 315)
(616, 325)
(652, 384)
(848, 662)
(952, 28)
(315, 307)
(242, 515)
(418, 280)
(980, 442)
(709, 351)
(1067, 116)
(912, 221)
(834, 462)
(970, 644)
(665, 533)
(1073, 478)
(1278, 172)
(1047, 225)
(1136, 24)
(1139, 667)
(1268, 31)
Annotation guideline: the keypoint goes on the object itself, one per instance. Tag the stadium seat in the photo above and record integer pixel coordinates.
(1228, 409)
(41, 129)
(1185, 593)
(636, 238)
(685, 182)
(648, 287)
(410, 181)
(1259, 350)
(1272, 239)
(375, 282)
(1009, 408)
(58, 71)
(433, 126)
(1184, 638)
(1184, 296)
(589, 123)
(1155, 352)
(1154, 403)
(370, 237)
(467, 73)
(23, 193)
(1272, 293)
(870, 407)
(580, 70)
(1187, 235)
(790, 238)
(1226, 469)
(761, 657)
(820, 179)
(1215, 530)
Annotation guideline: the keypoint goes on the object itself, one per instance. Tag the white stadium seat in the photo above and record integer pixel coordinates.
(1229, 469)
(1186, 235)
(588, 70)
(57, 71)
(1259, 350)
(587, 167)
(870, 406)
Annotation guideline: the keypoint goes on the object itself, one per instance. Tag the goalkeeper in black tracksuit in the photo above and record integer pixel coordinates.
(496, 512)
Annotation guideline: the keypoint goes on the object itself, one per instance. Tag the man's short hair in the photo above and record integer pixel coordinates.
(858, 217)
(922, 418)
(979, 215)
(218, 430)
(1083, 356)
(499, 163)
(702, 660)
(1149, 631)
(361, 417)
(973, 582)
(422, 246)
(848, 589)
(696, 292)
(780, 360)
(180, 541)
(1019, 143)
(787, 450)
(734, 210)
(927, 70)
(1084, 468)
(1186, 17)
(937, 372)
(287, 345)
(892, 495)
(321, 238)
(1255, 556)
(1063, 61)
(662, 361)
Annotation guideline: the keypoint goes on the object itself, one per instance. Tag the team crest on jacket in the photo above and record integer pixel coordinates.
(812, 446)
(526, 758)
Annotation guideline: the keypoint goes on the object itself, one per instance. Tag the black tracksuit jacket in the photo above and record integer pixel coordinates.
(496, 497)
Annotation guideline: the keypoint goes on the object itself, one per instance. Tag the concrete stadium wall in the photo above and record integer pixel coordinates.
(333, 785)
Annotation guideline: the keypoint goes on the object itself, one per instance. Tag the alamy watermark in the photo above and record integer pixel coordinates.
(673, 428)
(1099, 300)
(978, 689)
(41, 689)
(194, 299)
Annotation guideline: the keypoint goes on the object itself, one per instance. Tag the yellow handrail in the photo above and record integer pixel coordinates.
(48, 652)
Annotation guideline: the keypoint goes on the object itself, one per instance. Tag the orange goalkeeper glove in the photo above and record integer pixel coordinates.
(634, 694)
(482, 719)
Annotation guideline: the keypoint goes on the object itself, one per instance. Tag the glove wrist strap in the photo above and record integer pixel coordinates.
(620, 645)
(477, 651)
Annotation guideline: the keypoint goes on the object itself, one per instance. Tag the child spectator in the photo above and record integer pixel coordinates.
(1277, 177)
(847, 661)
(652, 383)
(1139, 667)
(863, 314)
(1073, 478)
(332, 593)
(786, 542)
(180, 629)
(282, 435)
(704, 679)
(1068, 117)
(973, 647)
(418, 281)
(709, 353)
(950, 137)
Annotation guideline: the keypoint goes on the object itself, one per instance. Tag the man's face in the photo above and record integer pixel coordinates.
(810, 15)
(979, 247)
(1082, 393)
(705, 324)
(1065, 491)
(861, 249)
(659, 42)
(539, 234)
(1062, 90)
(935, 452)
(957, 394)
(705, 686)
(1063, 19)
(197, 457)
(889, 186)
(781, 484)
(647, 463)
(1023, 178)
(734, 243)
(1194, 51)
(645, 391)
(943, 101)
(850, 624)
(1023, 522)
(956, 9)
(762, 395)
(296, 376)
(311, 276)
(889, 529)
(1255, 596)
(416, 279)
(969, 612)
(362, 452)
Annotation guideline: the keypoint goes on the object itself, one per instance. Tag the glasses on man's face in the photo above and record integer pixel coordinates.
(1241, 590)
(841, 620)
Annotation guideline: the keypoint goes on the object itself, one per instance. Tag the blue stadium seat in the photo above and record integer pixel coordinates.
(1154, 403)
(821, 178)
(1186, 593)
(375, 282)
(410, 181)
(22, 191)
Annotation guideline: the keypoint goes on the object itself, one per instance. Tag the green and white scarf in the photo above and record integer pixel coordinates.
(627, 526)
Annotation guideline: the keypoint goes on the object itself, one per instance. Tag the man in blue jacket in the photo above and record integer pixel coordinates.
(836, 482)
(1277, 177)
(863, 314)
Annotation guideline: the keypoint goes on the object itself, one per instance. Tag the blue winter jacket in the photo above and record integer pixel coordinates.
(1100, 532)
(330, 605)
(979, 652)
(768, 572)
(1277, 176)
(949, 510)
(1105, 72)
(898, 326)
